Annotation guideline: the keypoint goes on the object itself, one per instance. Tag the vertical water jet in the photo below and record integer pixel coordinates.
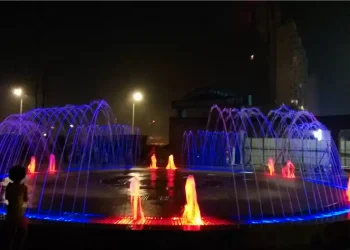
(192, 214)
(52, 163)
(32, 165)
(135, 200)
(171, 164)
(153, 162)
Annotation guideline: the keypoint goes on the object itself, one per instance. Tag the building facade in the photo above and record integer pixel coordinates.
(291, 68)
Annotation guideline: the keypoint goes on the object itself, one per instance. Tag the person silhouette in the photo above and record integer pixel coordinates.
(16, 194)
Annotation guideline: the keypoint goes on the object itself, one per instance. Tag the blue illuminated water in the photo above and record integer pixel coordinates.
(241, 141)
(82, 138)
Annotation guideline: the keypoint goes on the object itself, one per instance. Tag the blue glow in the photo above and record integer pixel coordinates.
(317, 216)
(220, 169)
(88, 218)
(3, 176)
(64, 217)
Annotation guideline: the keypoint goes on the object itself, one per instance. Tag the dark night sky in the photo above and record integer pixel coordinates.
(106, 50)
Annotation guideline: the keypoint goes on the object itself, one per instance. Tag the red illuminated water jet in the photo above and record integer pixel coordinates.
(192, 214)
(171, 164)
(348, 190)
(271, 166)
(288, 171)
(153, 162)
(135, 201)
(52, 163)
(32, 165)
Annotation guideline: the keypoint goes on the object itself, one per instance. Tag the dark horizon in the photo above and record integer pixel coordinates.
(107, 50)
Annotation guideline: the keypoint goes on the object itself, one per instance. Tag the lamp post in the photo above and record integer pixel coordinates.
(137, 97)
(19, 93)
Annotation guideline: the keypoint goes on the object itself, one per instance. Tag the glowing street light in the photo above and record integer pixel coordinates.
(19, 93)
(137, 97)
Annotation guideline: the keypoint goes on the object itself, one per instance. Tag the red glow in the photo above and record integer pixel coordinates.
(271, 166)
(161, 221)
(348, 190)
(31, 166)
(192, 214)
(135, 200)
(288, 170)
(52, 163)
(153, 162)
(153, 178)
(171, 164)
(170, 182)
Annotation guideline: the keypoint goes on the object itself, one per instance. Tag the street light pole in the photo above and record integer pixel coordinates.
(19, 92)
(21, 107)
(137, 96)
(133, 118)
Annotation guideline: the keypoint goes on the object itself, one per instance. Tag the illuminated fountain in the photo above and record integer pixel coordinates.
(153, 162)
(32, 164)
(295, 145)
(90, 151)
(135, 201)
(192, 214)
(52, 163)
(348, 190)
(171, 164)
(288, 171)
(69, 143)
(271, 166)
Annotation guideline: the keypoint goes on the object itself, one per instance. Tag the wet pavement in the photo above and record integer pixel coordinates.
(220, 195)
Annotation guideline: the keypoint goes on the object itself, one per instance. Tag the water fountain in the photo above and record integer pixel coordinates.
(271, 166)
(171, 164)
(192, 214)
(288, 171)
(82, 163)
(135, 201)
(296, 147)
(348, 190)
(153, 162)
(32, 164)
(52, 163)
(65, 146)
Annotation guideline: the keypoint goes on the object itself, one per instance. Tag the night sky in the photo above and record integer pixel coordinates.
(87, 51)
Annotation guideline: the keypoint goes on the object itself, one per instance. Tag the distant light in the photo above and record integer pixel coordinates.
(44, 134)
(153, 121)
(251, 57)
(72, 126)
(318, 134)
(52, 127)
(137, 96)
(18, 92)
(302, 107)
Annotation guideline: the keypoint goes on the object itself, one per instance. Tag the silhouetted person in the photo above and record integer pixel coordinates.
(17, 195)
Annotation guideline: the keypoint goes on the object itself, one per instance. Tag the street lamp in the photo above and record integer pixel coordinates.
(137, 97)
(19, 93)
